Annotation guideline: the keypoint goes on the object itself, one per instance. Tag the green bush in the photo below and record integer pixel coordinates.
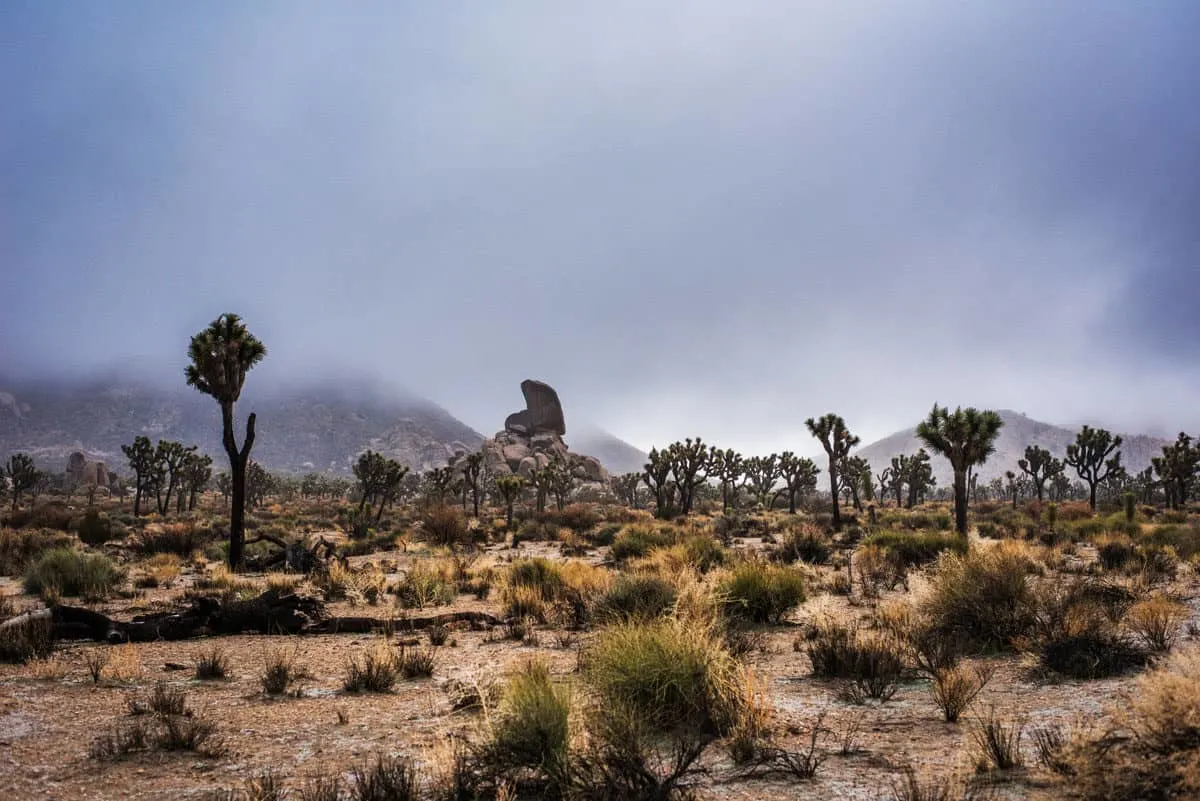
(666, 672)
(531, 726)
(761, 592)
(95, 528)
(637, 541)
(539, 574)
(640, 597)
(912, 549)
(983, 595)
(1185, 540)
(65, 571)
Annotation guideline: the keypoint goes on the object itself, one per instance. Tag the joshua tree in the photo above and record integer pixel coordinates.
(21, 476)
(850, 477)
(728, 467)
(437, 484)
(144, 464)
(919, 475)
(837, 441)
(1040, 466)
(541, 478)
(1176, 469)
(1011, 486)
(221, 356)
(379, 480)
(1090, 456)
(967, 437)
(170, 457)
(656, 474)
(259, 484)
(799, 474)
(625, 487)
(509, 488)
(472, 474)
(561, 481)
(884, 481)
(196, 474)
(762, 474)
(688, 462)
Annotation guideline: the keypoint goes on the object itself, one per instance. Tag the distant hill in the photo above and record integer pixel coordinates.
(1018, 432)
(617, 455)
(299, 429)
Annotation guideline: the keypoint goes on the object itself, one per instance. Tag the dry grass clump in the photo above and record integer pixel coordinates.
(997, 743)
(802, 541)
(65, 571)
(425, 584)
(171, 727)
(531, 726)
(915, 548)
(877, 570)
(638, 540)
(339, 581)
(31, 637)
(759, 592)
(446, 526)
(159, 570)
(534, 586)
(870, 662)
(955, 688)
(1157, 622)
(1077, 630)
(182, 539)
(280, 670)
(212, 664)
(376, 673)
(18, 549)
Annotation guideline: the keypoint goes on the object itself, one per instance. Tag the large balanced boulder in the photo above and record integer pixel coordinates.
(542, 413)
(84, 473)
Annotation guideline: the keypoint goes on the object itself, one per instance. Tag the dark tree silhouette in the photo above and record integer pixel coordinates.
(1040, 466)
(837, 441)
(966, 438)
(221, 356)
(1090, 456)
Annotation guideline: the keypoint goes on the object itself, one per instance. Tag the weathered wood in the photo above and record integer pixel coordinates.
(273, 612)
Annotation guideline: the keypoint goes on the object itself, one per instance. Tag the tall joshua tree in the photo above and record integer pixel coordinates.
(837, 441)
(967, 438)
(1089, 455)
(221, 356)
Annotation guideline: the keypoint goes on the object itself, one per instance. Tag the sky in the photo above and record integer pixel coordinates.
(702, 218)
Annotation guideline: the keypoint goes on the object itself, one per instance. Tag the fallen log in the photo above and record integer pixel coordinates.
(273, 612)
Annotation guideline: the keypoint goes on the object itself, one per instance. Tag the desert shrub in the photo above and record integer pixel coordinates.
(872, 662)
(94, 528)
(387, 779)
(625, 761)
(1074, 511)
(425, 585)
(636, 597)
(377, 672)
(212, 664)
(954, 689)
(1184, 540)
(637, 541)
(18, 549)
(1157, 621)
(65, 571)
(30, 638)
(531, 725)
(803, 542)
(997, 742)
(1156, 756)
(703, 552)
(182, 539)
(539, 574)
(877, 570)
(667, 672)
(1114, 552)
(1154, 563)
(47, 514)
(416, 663)
(579, 517)
(605, 534)
(1095, 652)
(280, 670)
(760, 592)
(159, 570)
(988, 530)
(445, 525)
(983, 595)
(912, 549)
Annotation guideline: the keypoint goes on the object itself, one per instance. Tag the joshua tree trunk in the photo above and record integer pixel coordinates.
(237, 479)
(833, 491)
(1092, 494)
(960, 502)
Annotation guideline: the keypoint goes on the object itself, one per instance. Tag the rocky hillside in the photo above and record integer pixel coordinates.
(617, 455)
(1018, 432)
(299, 429)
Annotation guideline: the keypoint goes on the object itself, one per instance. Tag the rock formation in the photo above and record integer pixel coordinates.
(84, 473)
(532, 438)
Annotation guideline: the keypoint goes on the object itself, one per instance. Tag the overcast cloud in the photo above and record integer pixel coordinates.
(706, 218)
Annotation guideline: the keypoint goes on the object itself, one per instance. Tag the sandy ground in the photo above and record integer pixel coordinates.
(48, 724)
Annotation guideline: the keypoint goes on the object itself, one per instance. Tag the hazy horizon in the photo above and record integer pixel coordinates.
(709, 219)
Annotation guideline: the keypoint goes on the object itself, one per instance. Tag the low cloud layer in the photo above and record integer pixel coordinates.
(704, 218)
